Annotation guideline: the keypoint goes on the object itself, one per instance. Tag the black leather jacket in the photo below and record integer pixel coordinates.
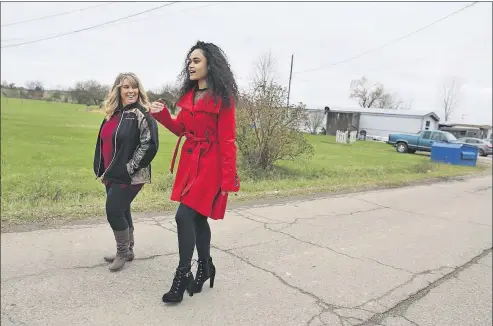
(135, 143)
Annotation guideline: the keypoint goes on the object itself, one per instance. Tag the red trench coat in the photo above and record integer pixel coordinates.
(207, 163)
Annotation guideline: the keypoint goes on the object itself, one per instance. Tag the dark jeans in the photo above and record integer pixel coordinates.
(192, 228)
(118, 200)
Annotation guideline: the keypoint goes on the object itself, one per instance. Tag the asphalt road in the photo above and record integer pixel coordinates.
(399, 257)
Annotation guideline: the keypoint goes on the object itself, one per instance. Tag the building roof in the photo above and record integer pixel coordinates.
(403, 113)
(464, 125)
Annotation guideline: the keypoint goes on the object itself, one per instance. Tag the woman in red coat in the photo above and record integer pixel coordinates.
(207, 169)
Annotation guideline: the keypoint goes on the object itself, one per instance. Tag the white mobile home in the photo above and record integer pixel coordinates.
(378, 123)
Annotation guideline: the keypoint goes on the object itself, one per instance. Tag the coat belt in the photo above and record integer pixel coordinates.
(202, 142)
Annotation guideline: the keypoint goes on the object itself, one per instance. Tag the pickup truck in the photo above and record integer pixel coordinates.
(422, 141)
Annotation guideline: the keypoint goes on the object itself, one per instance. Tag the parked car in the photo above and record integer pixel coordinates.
(422, 141)
(483, 145)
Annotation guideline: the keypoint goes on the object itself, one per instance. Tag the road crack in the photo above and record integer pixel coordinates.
(11, 319)
(104, 264)
(170, 222)
(409, 320)
(253, 245)
(421, 214)
(333, 250)
(241, 213)
(416, 275)
(325, 306)
(400, 309)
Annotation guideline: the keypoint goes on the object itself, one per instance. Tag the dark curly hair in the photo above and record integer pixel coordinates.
(220, 79)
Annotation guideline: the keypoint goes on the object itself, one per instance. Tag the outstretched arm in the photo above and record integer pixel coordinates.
(174, 125)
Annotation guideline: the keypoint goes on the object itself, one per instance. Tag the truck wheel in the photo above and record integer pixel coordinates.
(481, 152)
(401, 147)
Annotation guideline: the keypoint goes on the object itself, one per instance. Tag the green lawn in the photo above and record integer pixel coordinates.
(48, 148)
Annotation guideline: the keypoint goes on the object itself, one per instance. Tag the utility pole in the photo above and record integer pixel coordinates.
(290, 76)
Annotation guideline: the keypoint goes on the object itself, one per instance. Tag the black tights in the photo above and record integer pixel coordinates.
(193, 228)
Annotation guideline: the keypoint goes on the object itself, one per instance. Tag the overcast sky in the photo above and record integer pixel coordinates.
(153, 45)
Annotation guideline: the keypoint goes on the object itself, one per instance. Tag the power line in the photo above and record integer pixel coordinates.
(184, 10)
(135, 20)
(388, 43)
(90, 27)
(55, 15)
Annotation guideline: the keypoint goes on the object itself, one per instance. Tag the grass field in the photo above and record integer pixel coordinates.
(48, 148)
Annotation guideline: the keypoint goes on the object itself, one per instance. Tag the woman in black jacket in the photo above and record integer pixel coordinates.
(126, 145)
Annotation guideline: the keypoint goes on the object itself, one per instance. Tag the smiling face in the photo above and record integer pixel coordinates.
(197, 66)
(129, 92)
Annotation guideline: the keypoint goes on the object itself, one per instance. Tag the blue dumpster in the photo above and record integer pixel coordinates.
(454, 153)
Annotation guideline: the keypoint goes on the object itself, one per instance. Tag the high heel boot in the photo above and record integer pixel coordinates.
(205, 271)
(183, 281)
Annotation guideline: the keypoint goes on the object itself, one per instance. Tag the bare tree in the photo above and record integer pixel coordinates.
(374, 95)
(265, 70)
(393, 102)
(368, 96)
(34, 85)
(35, 89)
(170, 94)
(152, 95)
(267, 131)
(315, 121)
(451, 90)
(89, 92)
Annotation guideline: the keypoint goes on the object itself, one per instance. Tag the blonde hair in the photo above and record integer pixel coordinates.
(113, 99)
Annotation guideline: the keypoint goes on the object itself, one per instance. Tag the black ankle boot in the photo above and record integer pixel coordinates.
(205, 270)
(183, 281)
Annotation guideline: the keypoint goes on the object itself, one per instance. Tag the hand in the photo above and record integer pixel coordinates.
(156, 107)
